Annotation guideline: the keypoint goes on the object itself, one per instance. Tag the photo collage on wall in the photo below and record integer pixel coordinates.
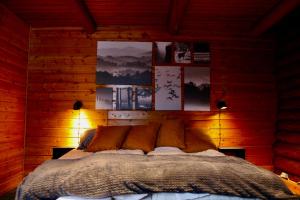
(125, 70)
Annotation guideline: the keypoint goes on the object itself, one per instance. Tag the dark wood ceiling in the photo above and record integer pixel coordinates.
(212, 16)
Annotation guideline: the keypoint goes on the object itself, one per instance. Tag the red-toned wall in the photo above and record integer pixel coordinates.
(14, 39)
(287, 147)
(62, 68)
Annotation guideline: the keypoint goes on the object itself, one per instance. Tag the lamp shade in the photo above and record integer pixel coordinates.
(221, 104)
(77, 105)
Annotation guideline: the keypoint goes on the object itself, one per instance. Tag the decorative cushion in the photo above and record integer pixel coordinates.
(108, 138)
(171, 134)
(86, 138)
(197, 141)
(142, 137)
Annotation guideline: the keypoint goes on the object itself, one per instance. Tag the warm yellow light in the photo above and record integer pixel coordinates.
(80, 123)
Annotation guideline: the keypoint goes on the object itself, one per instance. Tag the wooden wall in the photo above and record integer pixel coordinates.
(62, 69)
(14, 37)
(287, 147)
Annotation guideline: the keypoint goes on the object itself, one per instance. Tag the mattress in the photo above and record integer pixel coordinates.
(163, 196)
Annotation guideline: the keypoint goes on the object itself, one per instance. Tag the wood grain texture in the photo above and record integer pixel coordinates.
(215, 17)
(287, 145)
(14, 38)
(62, 68)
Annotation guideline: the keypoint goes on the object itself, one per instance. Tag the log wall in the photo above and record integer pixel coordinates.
(14, 40)
(62, 69)
(287, 147)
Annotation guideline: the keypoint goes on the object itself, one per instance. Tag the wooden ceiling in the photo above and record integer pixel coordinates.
(175, 16)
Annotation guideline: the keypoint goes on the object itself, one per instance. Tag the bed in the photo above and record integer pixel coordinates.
(70, 186)
(161, 173)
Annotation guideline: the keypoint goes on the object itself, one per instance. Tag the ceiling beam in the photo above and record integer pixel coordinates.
(85, 16)
(176, 13)
(275, 15)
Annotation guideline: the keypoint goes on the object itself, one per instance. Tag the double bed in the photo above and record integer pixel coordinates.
(165, 173)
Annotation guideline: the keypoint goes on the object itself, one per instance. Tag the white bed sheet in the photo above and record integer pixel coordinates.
(163, 196)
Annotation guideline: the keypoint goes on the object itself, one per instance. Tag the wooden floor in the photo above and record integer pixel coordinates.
(8, 196)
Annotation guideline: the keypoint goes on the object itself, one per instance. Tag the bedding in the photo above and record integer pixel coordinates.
(106, 175)
(197, 141)
(171, 133)
(108, 138)
(164, 196)
(86, 138)
(122, 151)
(166, 151)
(77, 153)
(142, 137)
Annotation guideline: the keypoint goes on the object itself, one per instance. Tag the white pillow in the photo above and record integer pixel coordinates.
(122, 151)
(166, 151)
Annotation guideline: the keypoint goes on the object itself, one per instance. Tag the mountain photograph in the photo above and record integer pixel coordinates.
(197, 88)
(124, 63)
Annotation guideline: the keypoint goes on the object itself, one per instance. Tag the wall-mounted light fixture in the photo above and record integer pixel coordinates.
(77, 106)
(221, 105)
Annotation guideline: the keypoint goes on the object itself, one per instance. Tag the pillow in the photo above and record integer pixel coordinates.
(108, 138)
(142, 137)
(166, 151)
(196, 141)
(123, 151)
(86, 138)
(171, 134)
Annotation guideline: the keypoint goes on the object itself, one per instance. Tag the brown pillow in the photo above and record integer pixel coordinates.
(108, 138)
(171, 134)
(142, 137)
(196, 141)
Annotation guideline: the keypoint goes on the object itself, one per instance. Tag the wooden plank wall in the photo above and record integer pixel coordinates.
(14, 38)
(62, 69)
(287, 147)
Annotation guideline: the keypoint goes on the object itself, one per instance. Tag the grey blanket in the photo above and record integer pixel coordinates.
(103, 175)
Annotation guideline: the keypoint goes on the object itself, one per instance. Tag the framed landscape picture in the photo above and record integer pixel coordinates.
(123, 63)
(104, 98)
(197, 89)
(167, 88)
(143, 98)
(124, 97)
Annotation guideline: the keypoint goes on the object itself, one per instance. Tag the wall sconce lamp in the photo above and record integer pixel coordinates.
(77, 106)
(221, 105)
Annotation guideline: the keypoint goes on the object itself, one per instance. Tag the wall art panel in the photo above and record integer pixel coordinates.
(197, 88)
(124, 63)
(167, 88)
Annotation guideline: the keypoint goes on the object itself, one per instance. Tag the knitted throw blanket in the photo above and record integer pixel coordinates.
(104, 175)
